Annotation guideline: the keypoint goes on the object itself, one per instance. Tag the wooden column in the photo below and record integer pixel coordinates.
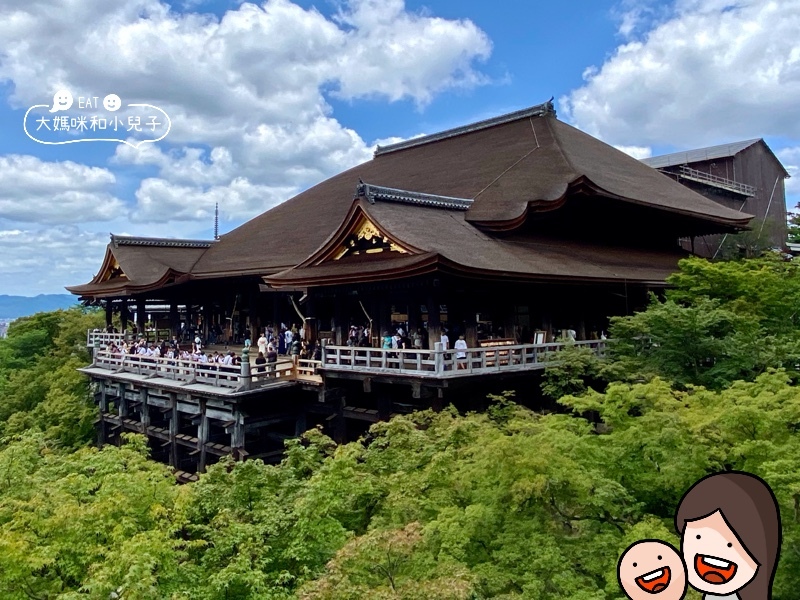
(174, 319)
(124, 314)
(123, 401)
(202, 436)
(144, 413)
(141, 316)
(434, 322)
(237, 435)
(109, 313)
(337, 323)
(102, 430)
(300, 425)
(174, 427)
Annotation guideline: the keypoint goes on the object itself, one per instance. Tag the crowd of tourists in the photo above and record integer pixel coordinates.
(272, 343)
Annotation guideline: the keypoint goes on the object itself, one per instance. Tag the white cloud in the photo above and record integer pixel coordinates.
(37, 261)
(32, 190)
(790, 157)
(245, 93)
(715, 70)
(639, 152)
(157, 199)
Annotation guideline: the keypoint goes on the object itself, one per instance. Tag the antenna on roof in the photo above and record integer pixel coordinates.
(216, 221)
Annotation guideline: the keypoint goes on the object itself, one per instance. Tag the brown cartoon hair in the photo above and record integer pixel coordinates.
(749, 507)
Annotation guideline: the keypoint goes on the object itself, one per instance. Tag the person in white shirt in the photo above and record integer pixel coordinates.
(288, 339)
(445, 340)
(461, 356)
(262, 344)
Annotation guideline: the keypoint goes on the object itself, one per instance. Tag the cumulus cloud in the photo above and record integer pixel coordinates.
(713, 70)
(790, 157)
(157, 197)
(36, 259)
(32, 190)
(639, 152)
(245, 92)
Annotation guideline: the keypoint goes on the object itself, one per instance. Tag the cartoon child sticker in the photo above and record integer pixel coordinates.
(730, 531)
(649, 568)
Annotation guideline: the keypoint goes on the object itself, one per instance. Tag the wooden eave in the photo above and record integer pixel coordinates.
(584, 185)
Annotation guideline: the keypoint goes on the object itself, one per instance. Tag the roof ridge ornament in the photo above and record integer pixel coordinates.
(546, 109)
(126, 240)
(372, 192)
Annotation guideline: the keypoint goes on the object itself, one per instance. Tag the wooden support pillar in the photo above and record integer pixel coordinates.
(547, 326)
(337, 323)
(434, 322)
(471, 334)
(384, 318)
(237, 435)
(300, 425)
(141, 317)
(311, 327)
(102, 431)
(174, 319)
(123, 401)
(144, 413)
(124, 315)
(206, 322)
(437, 404)
(384, 407)
(414, 316)
(202, 436)
(174, 428)
(109, 314)
(340, 424)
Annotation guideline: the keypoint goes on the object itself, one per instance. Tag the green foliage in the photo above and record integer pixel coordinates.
(509, 504)
(39, 386)
(573, 370)
(748, 244)
(721, 322)
(793, 225)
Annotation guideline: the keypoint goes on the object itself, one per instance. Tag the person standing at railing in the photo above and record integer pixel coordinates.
(260, 362)
(445, 340)
(461, 356)
(262, 344)
(295, 348)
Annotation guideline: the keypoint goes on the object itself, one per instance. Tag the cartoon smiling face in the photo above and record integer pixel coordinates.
(62, 100)
(112, 102)
(652, 569)
(718, 562)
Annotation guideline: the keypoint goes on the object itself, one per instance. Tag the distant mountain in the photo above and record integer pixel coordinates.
(12, 307)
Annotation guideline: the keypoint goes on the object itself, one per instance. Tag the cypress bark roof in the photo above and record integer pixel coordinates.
(508, 170)
(448, 195)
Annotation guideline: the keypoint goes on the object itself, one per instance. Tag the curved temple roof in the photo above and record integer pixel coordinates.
(137, 264)
(485, 177)
(506, 169)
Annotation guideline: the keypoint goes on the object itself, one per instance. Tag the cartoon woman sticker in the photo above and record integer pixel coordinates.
(730, 531)
(651, 567)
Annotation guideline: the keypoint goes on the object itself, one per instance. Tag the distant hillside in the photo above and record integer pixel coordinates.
(12, 307)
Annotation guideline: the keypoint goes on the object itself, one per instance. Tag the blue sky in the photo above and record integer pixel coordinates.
(268, 99)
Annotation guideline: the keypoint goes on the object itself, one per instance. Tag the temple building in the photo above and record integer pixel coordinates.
(516, 232)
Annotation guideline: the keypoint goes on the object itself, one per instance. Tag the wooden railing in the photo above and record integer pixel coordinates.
(235, 377)
(101, 339)
(449, 363)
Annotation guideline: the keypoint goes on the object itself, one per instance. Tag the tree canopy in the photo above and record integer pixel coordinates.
(508, 504)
